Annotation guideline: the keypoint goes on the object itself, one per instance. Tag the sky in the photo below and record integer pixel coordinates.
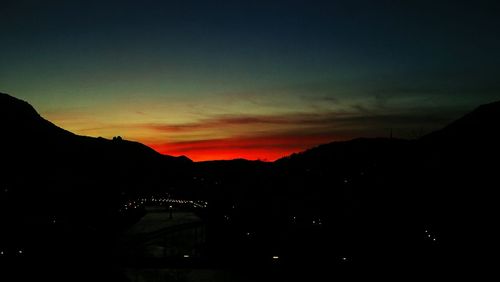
(249, 79)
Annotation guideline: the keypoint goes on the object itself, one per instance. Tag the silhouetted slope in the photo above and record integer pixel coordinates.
(445, 182)
(57, 171)
(465, 152)
(21, 124)
(375, 197)
(479, 126)
(19, 117)
(349, 176)
(457, 179)
(378, 196)
(346, 152)
(60, 193)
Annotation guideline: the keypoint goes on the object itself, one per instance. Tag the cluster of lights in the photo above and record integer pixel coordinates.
(317, 221)
(202, 179)
(130, 205)
(249, 235)
(17, 252)
(134, 204)
(430, 236)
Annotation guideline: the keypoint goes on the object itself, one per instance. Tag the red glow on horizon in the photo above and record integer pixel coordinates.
(254, 148)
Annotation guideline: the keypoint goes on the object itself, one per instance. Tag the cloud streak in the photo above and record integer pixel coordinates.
(268, 134)
(269, 137)
(362, 117)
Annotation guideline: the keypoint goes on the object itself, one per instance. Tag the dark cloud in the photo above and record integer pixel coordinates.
(302, 131)
(360, 121)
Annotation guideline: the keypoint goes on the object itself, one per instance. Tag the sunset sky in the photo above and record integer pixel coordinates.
(249, 79)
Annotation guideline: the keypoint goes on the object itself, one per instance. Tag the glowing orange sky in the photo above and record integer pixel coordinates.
(249, 79)
(267, 148)
(237, 130)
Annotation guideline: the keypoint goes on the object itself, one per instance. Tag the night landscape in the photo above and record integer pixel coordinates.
(248, 140)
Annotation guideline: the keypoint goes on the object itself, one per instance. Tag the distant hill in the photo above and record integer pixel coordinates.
(56, 171)
(20, 122)
(348, 153)
(456, 177)
(375, 194)
(480, 125)
(446, 181)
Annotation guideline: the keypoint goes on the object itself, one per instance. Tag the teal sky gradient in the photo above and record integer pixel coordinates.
(254, 69)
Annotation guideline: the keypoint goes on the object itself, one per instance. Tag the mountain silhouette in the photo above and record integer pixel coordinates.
(480, 125)
(21, 123)
(375, 195)
(457, 177)
(52, 170)
(20, 120)
(59, 189)
(445, 181)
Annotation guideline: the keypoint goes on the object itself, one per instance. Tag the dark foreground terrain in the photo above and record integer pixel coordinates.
(69, 206)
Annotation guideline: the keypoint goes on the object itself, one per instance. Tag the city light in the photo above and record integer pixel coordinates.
(162, 201)
(430, 235)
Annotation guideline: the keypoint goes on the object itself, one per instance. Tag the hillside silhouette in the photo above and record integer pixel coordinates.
(58, 188)
(420, 204)
(43, 158)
